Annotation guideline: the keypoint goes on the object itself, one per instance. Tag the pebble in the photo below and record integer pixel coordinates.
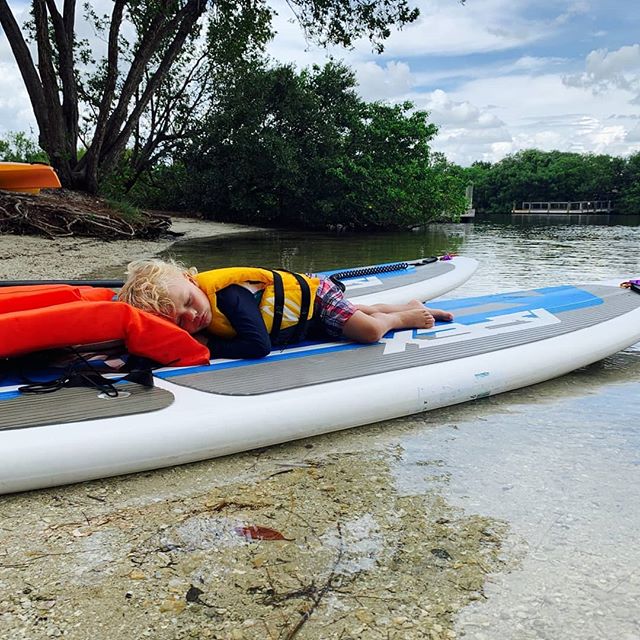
(365, 616)
(172, 605)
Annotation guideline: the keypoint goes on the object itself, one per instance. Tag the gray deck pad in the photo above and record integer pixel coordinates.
(78, 404)
(366, 285)
(482, 325)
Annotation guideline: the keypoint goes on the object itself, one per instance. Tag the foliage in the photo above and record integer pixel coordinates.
(534, 175)
(19, 147)
(161, 59)
(302, 149)
(386, 176)
(629, 199)
(125, 210)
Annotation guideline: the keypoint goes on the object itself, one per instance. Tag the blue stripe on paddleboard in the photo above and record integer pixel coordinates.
(7, 395)
(553, 299)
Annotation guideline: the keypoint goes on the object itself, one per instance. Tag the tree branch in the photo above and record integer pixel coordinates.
(181, 25)
(52, 139)
(89, 162)
(155, 32)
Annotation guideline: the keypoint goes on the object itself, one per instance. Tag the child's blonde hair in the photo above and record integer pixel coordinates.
(147, 283)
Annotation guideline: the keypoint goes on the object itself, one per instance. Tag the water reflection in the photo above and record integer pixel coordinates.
(511, 256)
(315, 251)
(561, 463)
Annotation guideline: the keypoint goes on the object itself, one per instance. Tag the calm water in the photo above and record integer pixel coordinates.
(560, 461)
(510, 256)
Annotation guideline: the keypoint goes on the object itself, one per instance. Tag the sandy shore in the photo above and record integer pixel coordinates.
(39, 257)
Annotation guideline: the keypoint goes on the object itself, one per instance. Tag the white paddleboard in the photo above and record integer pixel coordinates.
(497, 343)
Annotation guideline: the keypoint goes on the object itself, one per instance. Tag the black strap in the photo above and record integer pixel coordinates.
(88, 376)
(341, 285)
(278, 305)
(305, 303)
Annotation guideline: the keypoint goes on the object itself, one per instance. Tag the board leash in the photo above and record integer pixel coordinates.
(381, 268)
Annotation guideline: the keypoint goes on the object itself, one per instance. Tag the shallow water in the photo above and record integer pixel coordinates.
(511, 256)
(559, 462)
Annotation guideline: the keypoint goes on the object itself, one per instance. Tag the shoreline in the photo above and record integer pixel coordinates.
(26, 257)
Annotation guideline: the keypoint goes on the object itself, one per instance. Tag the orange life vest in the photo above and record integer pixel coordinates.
(45, 295)
(90, 317)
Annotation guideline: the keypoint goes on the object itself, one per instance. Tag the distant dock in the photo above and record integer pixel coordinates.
(583, 211)
(583, 206)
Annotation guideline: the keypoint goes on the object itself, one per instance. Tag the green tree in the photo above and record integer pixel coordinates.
(386, 175)
(534, 175)
(19, 147)
(304, 149)
(268, 143)
(628, 200)
(145, 41)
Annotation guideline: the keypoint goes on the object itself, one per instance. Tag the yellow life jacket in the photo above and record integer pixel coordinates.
(287, 297)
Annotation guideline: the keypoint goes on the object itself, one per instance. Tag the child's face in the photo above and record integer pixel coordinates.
(192, 309)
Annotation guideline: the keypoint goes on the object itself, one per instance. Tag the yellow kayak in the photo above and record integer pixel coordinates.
(27, 178)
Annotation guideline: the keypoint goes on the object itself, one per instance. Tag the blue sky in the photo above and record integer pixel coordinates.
(496, 75)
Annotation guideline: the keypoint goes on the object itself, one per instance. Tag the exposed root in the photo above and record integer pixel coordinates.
(67, 213)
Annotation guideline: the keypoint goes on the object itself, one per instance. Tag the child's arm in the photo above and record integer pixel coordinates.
(241, 308)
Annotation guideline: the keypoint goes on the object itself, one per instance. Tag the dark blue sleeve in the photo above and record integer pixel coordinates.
(241, 308)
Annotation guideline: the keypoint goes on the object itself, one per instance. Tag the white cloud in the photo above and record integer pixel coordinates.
(377, 82)
(464, 72)
(602, 64)
(634, 134)
(532, 63)
(573, 10)
(444, 27)
(15, 107)
(448, 112)
(536, 111)
(605, 69)
(448, 28)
